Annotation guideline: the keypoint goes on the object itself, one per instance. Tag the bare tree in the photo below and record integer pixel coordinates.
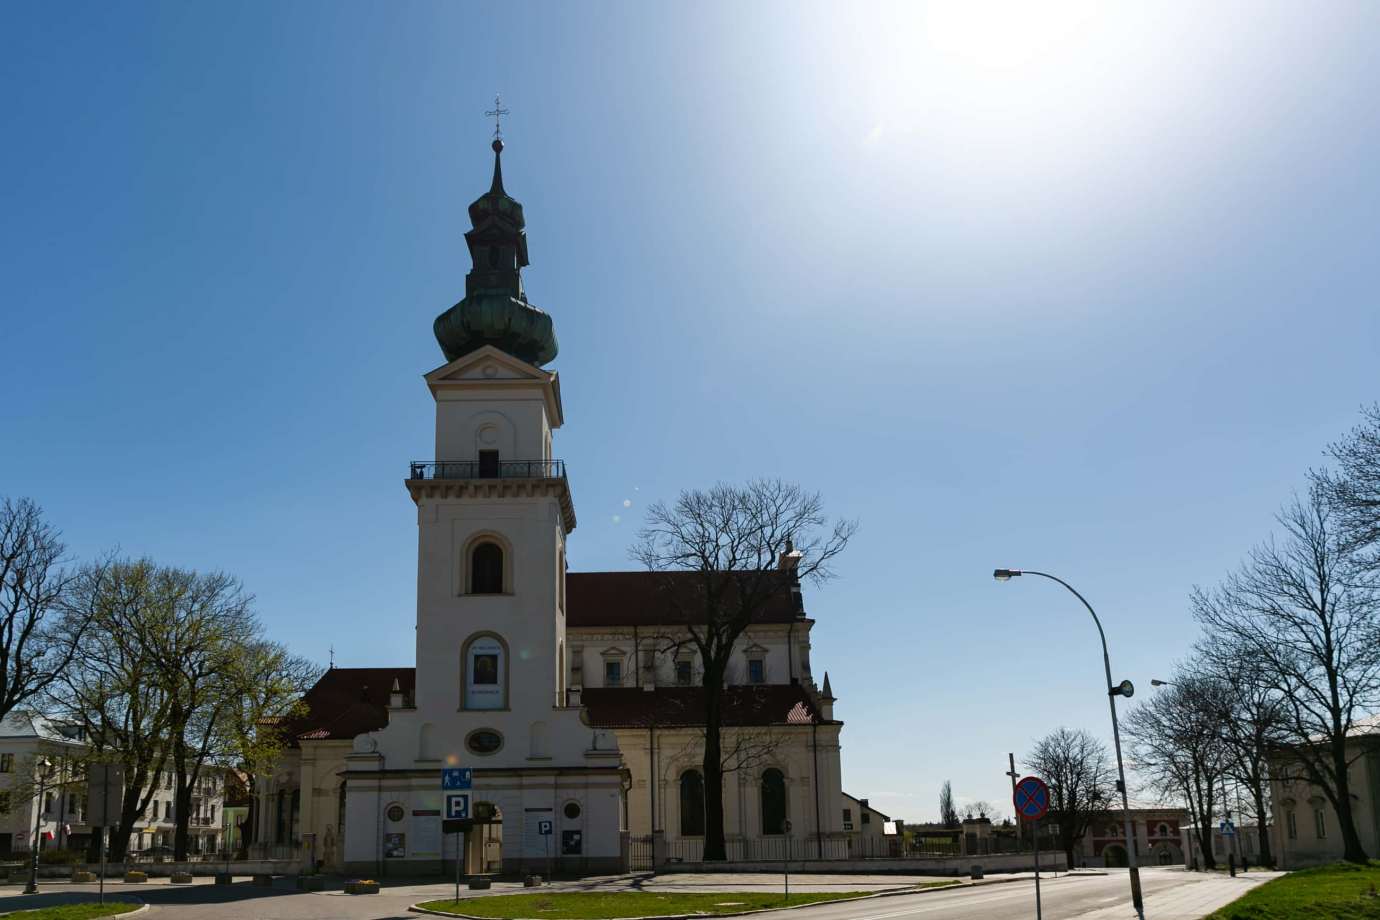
(948, 812)
(1078, 771)
(1251, 723)
(40, 631)
(1353, 489)
(737, 549)
(1309, 617)
(1176, 738)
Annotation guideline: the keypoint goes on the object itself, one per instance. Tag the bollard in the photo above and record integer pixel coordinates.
(976, 872)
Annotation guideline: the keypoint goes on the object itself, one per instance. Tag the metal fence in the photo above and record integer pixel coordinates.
(640, 854)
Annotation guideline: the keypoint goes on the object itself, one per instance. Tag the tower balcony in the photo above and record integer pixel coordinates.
(486, 469)
(489, 478)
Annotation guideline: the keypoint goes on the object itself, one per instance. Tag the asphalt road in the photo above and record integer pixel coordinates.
(1063, 898)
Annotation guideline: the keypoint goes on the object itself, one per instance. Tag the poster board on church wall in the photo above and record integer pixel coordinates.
(484, 674)
(426, 833)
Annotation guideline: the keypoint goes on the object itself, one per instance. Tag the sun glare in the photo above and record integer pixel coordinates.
(1001, 34)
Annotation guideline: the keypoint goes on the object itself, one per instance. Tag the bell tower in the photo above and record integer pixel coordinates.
(493, 506)
(494, 512)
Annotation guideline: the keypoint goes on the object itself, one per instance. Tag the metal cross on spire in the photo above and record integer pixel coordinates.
(497, 114)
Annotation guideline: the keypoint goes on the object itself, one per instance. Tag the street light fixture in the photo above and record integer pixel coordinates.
(1125, 688)
(1156, 682)
(45, 767)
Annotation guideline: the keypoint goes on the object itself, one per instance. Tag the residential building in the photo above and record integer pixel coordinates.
(1306, 827)
(1156, 832)
(28, 742)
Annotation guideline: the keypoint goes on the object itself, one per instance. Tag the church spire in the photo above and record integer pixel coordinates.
(495, 310)
(496, 187)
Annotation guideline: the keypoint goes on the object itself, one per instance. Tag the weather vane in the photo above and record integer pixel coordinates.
(497, 114)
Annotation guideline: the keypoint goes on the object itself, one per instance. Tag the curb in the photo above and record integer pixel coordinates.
(889, 893)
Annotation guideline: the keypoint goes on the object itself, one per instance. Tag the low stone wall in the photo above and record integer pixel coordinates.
(928, 865)
(241, 867)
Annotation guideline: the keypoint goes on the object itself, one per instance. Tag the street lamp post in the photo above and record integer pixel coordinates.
(43, 766)
(1125, 688)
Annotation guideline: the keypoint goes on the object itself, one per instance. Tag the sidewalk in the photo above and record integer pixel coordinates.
(1189, 902)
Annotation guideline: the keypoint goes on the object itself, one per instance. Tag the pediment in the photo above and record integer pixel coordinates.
(493, 367)
(488, 363)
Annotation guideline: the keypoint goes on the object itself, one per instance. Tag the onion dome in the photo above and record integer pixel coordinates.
(495, 310)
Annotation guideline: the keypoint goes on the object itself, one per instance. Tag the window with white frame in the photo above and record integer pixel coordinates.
(1319, 823)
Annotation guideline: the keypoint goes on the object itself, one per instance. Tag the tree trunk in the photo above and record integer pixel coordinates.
(714, 847)
(1352, 851)
(129, 814)
(1267, 856)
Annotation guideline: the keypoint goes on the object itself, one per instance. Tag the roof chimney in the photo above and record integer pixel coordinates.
(395, 696)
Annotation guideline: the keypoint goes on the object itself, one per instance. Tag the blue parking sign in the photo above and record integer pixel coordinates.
(458, 805)
(457, 778)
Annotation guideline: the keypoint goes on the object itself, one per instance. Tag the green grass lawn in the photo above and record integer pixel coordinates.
(597, 905)
(1337, 892)
(76, 911)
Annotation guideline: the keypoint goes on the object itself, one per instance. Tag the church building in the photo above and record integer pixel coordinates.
(570, 698)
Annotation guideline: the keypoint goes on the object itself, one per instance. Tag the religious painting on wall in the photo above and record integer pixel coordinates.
(394, 846)
(484, 678)
(486, 669)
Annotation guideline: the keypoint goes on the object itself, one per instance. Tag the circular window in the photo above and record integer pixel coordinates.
(572, 810)
(483, 741)
(395, 813)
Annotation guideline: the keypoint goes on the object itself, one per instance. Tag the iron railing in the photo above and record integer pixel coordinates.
(486, 469)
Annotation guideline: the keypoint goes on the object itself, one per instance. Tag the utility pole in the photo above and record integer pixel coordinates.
(1011, 760)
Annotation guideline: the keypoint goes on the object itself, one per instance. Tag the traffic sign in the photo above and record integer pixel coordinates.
(1031, 798)
(458, 805)
(544, 828)
(457, 778)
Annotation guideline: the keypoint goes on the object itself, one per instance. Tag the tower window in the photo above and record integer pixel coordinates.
(757, 671)
(486, 569)
(683, 672)
(488, 464)
(613, 673)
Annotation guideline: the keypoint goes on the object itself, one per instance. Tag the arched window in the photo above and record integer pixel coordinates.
(773, 801)
(691, 804)
(486, 569)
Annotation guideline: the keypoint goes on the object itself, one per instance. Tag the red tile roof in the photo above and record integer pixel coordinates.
(670, 707)
(651, 598)
(347, 702)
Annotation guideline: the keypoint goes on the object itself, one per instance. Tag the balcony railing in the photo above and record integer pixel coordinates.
(486, 469)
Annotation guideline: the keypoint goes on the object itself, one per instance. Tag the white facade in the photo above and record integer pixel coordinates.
(59, 813)
(489, 685)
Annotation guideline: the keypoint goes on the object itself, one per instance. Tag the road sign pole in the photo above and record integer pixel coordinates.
(105, 812)
(459, 862)
(1036, 827)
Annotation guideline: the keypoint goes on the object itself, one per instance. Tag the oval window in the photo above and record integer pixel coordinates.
(395, 813)
(572, 810)
(484, 741)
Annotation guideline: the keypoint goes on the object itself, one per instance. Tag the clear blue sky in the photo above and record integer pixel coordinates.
(1073, 288)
